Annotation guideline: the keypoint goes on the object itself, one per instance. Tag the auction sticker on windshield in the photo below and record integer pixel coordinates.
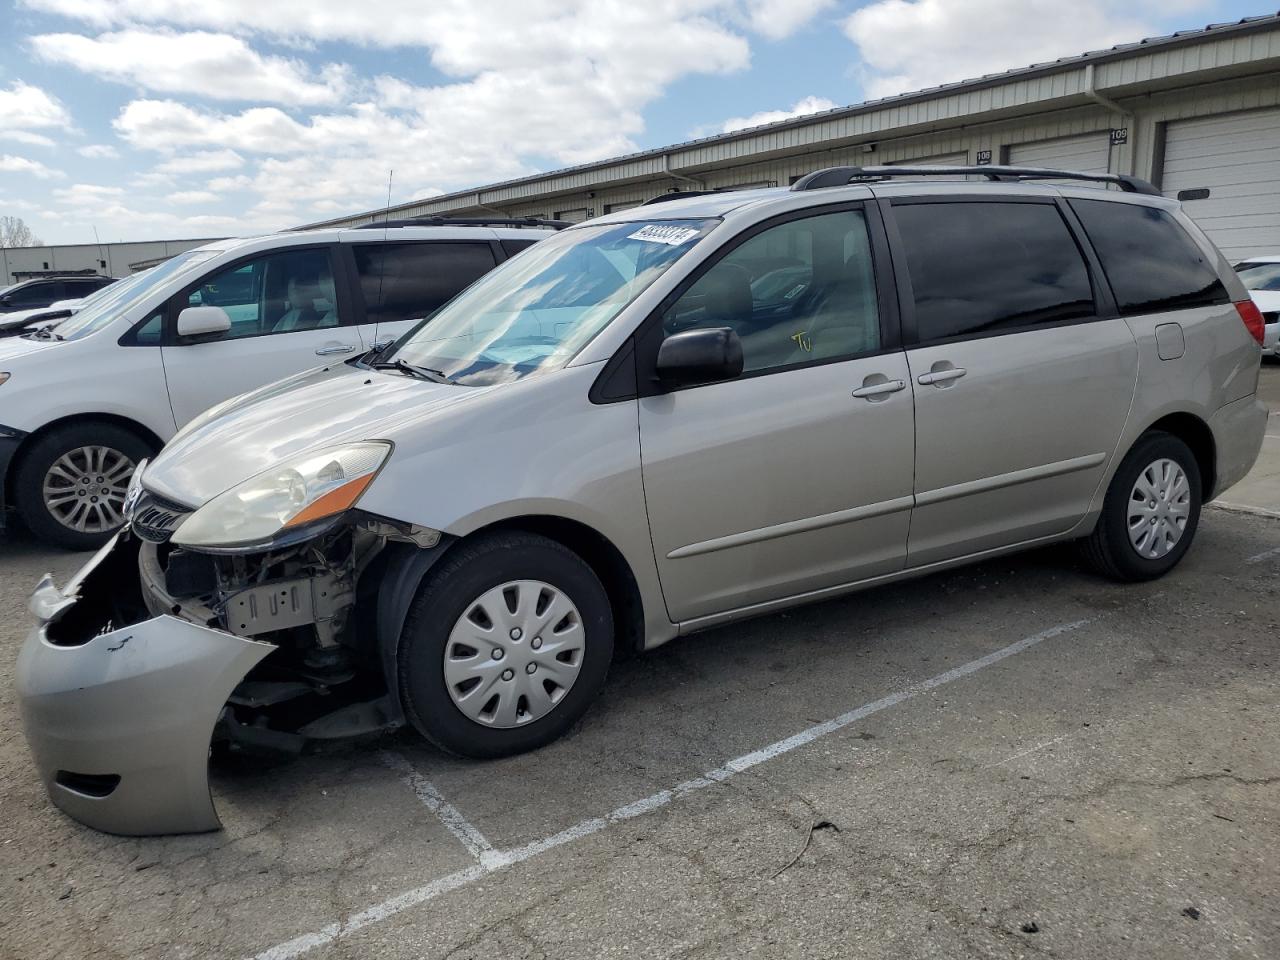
(672, 236)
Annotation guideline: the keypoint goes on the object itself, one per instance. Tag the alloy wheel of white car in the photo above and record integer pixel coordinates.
(84, 489)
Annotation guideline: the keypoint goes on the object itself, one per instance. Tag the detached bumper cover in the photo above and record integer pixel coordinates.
(120, 724)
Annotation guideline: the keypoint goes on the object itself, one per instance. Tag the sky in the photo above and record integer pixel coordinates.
(165, 119)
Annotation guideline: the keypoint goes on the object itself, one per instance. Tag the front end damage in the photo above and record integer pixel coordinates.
(154, 655)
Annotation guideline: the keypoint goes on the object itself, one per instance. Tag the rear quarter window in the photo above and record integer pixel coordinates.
(1151, 263)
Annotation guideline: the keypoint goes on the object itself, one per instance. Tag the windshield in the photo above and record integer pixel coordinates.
(536, 311)
(1259, 276)
(125, 294)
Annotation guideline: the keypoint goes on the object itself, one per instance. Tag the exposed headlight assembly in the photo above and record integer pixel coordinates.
(287, 500)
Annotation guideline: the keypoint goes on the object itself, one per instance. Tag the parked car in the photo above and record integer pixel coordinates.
(82, 404)
(1261, 276)
(42, 291)
(604, 444)
(17, 322)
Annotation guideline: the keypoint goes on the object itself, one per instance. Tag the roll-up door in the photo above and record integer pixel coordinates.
(1089, 153)
(1236, 157)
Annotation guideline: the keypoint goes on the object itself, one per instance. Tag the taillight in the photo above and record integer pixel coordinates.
(1252, 318)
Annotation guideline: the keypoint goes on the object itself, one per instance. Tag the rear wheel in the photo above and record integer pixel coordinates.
(1151, 511)
(505, 646)
(70, 485)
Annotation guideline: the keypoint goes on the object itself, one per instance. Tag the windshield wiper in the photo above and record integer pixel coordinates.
(44, 333)
(413, 370)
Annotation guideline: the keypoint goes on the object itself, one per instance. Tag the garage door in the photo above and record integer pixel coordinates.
(1237, 159)
(937, 160)
(575, 215)
(1089, 153)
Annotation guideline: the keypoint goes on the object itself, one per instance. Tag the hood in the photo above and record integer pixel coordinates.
(255, 432)
(16, 348)
(18, 318)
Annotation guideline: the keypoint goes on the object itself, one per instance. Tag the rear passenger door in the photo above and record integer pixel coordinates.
(398, 284)
(1022, 371)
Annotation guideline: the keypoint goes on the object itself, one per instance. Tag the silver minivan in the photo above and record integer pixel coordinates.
(699, 410)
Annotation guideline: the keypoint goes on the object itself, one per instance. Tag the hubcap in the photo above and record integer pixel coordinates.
(84, 490)
(1159, 507)
(514, 654)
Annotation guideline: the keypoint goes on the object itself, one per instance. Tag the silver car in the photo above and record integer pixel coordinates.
(696, 411)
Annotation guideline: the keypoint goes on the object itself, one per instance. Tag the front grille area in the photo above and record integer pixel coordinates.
(154, 518)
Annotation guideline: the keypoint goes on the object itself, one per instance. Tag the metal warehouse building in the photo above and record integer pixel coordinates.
(1196, 110)
(88, 259)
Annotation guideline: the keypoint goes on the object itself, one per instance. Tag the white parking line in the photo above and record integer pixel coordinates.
(1029, 751)
(449, 815)
(494, 860)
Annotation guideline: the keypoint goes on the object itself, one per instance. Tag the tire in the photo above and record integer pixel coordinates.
(121, 449)
(1110, 549)
(465, 584)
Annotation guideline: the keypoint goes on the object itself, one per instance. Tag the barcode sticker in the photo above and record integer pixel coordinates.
(671, 236)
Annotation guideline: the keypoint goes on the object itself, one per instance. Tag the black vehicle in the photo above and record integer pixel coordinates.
(39, 292)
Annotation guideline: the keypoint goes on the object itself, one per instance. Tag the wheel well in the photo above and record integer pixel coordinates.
(605, 559)
(1195, 433)
(133, 426)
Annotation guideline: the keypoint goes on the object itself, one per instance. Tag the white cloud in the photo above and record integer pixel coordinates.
(204, 161)
(27, 137)
(87, 194)
(98, 151)
(185, 197)
(24, 107)
(908, 45)
(11, 164)
(776, 19)
(801, 108)
(213, 65)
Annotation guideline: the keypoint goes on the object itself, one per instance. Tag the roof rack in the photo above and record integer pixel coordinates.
(466, 222)
(677, 195)
(843, 176)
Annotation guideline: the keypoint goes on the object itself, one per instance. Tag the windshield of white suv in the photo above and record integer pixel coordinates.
(536, 311)
(1259, 276)
(125, 294)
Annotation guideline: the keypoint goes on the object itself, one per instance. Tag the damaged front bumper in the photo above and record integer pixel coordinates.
(120, 718)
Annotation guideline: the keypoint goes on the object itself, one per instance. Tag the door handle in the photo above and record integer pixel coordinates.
(335, 348)
(873, 389)
(937, 377)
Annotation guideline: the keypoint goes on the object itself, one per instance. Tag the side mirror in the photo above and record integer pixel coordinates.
(203, 322)
(699, 356)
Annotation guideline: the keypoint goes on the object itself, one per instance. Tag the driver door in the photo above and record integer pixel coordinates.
(797, 475)
(286, 315)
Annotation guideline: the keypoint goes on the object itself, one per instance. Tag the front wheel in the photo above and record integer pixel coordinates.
(505, 646)
(70, 485)
(1151, 511)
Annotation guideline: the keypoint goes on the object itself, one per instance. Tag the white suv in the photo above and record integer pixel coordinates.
(81, 404)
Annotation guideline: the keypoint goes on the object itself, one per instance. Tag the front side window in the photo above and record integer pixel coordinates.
(130, 292)
(36, 295)
(1150, 261)
(1259, 276)
(535, 312)
(409, 281)
(797, 292)
(281, 292)
(984, 267)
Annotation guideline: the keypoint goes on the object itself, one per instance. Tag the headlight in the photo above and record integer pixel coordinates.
(293, 495)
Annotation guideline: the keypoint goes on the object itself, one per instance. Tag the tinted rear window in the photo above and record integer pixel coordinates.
(986, 267)
(1150, 261)
(512, 247)
(408, 281)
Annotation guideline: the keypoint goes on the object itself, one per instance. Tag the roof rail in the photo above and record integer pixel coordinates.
(843, 176)
(677, 195)
(466, 222)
